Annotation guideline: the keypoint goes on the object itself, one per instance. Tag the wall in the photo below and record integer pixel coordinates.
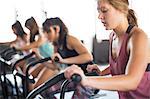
(141, 8)
(80, 16)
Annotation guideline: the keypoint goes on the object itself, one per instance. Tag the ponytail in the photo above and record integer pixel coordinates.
(132, 18)
(123, 6)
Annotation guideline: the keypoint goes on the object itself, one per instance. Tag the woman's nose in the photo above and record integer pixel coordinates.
(101, 16)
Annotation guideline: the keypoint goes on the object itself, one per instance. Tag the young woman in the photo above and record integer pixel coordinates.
(68, 49)
(37, 39)
(128, 54)
(21, 39)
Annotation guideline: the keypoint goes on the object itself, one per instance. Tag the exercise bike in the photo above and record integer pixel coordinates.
(54, 80)
(9, 57)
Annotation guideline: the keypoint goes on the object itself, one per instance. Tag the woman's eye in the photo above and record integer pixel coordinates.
(104, 11)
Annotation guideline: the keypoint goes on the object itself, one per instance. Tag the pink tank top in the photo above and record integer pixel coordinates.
(118, 67)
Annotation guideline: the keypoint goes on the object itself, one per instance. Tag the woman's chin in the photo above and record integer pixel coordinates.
(107, 28)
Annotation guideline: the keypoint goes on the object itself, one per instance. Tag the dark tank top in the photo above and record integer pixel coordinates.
(118, 67)
(66, 53)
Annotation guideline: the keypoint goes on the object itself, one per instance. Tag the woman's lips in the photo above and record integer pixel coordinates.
(104, 23)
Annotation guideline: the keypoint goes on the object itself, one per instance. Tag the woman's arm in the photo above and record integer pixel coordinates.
(35, 44)
(105, 72)
(84, 55)
(135, 68)
(134, 72)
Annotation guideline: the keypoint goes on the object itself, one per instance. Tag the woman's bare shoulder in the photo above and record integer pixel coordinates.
(138, 32)
(72, 41)
(137, 35)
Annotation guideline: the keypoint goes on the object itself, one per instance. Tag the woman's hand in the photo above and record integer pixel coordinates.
(94, 67)
(15, 46)
(61, 60)
(74, 69)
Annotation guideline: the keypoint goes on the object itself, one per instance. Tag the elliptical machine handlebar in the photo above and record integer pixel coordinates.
(75, 78)
(56, 59)
(24, 58)
(29, 66)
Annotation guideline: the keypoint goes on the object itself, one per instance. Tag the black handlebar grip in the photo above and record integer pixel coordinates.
(56, 59)
(76, 78)
(93, 73)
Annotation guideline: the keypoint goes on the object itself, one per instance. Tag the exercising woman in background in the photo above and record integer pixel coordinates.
(21, 39)
(68, 49)
(128, 54)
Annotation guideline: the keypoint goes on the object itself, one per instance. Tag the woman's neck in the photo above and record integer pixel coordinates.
(121, 28)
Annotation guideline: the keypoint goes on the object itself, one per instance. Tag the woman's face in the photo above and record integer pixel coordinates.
(53, 35)
(109, 16)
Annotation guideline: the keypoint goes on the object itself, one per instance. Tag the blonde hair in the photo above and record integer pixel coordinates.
(122, 5)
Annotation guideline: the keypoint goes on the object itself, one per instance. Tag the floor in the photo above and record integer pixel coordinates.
(103, 94)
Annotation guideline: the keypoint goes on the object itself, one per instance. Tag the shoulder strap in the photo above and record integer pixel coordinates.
(129, 29)
(65, 42)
